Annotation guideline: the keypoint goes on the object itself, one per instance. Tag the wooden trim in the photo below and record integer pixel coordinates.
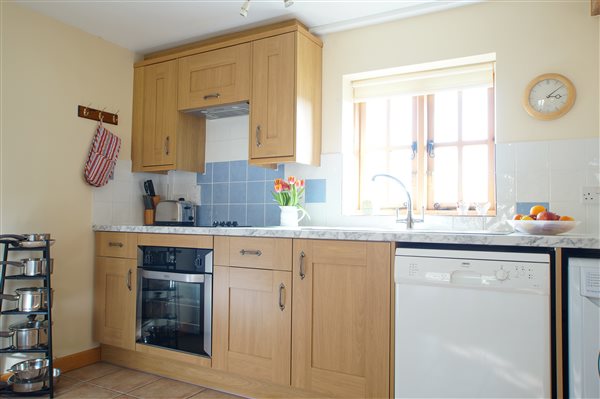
(173, 355)
(392, 336)
(210, 378)
(595, 7)
(78, 360)
(228, 40)
(176, 240)
(558, 322)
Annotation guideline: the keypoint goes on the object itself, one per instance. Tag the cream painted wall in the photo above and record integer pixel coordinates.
(528, 38)
(48, 68)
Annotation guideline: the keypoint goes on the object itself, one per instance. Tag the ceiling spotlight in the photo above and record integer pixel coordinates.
(244, 9)
(288, 3)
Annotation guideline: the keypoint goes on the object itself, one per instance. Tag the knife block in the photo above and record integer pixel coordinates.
(148, 217)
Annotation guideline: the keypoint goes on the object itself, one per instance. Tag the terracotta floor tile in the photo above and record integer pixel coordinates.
(87, 391)
(93, 371)
(124, 380)
(65, 384)
(165, 388)
(211, 394)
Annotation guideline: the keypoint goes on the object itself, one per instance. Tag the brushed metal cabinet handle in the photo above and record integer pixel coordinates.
(115, 244)
(129, 280)
(256, 252)
(167, 142)
(258, 142)
(282, 297)
(301, 271)
(212, 95)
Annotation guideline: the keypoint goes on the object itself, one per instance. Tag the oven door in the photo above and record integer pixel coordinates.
(174, 311)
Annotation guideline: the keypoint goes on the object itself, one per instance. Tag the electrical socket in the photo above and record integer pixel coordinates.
(590, 195)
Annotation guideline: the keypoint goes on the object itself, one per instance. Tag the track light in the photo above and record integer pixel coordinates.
(288, 3)
(244, 9)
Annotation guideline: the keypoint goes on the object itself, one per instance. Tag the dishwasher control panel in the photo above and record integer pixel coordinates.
(498, 273)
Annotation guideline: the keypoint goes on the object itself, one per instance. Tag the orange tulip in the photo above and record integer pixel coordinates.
(278, 181)
(278, 188)
(291, 179)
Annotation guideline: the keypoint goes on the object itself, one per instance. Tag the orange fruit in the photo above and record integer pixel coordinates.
(537, 209)
(567, 218)
(527, 218)
(518, 216)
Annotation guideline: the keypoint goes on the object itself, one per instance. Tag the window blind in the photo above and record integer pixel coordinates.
(424, 82)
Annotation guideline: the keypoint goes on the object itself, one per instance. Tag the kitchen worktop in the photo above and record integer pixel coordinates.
(375, 234)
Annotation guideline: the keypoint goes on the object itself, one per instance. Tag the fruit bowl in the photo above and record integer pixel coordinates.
(543, 227)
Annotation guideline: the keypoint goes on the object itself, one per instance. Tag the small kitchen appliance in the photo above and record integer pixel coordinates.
(175, 213)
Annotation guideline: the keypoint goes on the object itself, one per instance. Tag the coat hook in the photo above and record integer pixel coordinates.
(86, 111)
(100, 116)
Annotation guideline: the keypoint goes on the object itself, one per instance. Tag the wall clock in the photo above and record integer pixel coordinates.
(549, 96)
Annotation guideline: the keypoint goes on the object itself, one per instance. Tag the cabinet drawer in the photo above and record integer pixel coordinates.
(116, 245)
(257, 253)
(215, 77)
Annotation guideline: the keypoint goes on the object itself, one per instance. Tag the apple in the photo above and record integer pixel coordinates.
(547, 215)
(518, 216)
(532, 216)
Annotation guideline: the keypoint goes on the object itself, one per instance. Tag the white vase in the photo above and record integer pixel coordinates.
(289, 216)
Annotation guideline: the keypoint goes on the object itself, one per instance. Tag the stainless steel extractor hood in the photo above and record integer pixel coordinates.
(224, 111)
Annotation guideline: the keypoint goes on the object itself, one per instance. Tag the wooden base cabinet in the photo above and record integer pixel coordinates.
(115, 285)
(341, 318)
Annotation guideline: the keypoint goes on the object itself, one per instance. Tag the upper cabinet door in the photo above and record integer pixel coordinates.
(215, 77)
(272, 107)
(160, 114)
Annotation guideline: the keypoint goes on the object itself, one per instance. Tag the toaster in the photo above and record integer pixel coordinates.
(175, 213)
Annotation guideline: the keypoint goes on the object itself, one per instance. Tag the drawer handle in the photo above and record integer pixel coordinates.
(115, 244)
(212, 95)
(256, 252)
(129, 280)
(301, 271)
(167, 142)
(282, 297)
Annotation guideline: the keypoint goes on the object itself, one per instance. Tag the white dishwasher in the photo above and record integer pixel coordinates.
(472, 324)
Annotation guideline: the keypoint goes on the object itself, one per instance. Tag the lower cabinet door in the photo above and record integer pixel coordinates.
(252, 323)
(114, 301)
(341, 323)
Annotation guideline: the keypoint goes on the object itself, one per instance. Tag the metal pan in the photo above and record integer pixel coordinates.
(25, 386)
(31, 369)
(31, 266)
(30, 299)
(27, 335)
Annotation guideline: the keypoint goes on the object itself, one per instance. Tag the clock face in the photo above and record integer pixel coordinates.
(549, 96)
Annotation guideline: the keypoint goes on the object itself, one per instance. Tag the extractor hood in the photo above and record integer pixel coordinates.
(224, 111)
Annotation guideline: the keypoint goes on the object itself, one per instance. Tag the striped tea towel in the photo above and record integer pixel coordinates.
(102, 158)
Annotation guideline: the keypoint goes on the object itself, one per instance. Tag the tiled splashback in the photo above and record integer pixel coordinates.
(236, 191)
(551, 172)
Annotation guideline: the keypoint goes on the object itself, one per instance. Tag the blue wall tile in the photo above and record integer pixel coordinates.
(272, 215)
(524, 207)
(237, 193)
(220, 193)
(221, 213)
(256, 215)
(205, 215)
(238, 213)
(256, 192)
(272, 174)
(221, 172)
(205, 177)
(315, 190)
(256, 173)
(205, 194)
(238, 171)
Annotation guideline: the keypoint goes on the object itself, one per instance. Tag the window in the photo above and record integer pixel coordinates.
(434, 131)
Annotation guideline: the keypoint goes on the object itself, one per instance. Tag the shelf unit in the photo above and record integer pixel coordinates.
(12, 247)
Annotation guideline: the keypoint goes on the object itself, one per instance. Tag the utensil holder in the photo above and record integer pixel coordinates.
(148, 217)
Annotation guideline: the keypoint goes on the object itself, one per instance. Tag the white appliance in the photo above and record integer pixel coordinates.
(472, 324)
(584, 328)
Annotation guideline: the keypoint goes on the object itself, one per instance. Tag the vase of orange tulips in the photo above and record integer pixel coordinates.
(288, 195)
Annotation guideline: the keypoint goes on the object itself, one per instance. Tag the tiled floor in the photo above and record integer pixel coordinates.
(103, 380)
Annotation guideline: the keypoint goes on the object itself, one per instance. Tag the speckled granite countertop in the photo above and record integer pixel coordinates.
(375, 234)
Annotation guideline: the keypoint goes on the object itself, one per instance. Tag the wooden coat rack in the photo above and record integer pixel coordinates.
(97, 115)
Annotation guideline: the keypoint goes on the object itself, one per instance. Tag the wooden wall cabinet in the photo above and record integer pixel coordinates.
(341, 323)
(252, 310)
(163, 138)
(115, 285)
(285, 106)
(216, 77)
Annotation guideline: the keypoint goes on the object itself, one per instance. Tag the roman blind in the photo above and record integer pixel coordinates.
(424, 82)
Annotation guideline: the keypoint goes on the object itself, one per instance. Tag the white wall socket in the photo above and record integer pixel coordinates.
(590, 195)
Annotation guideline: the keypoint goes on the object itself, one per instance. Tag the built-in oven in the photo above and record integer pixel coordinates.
(174, 298)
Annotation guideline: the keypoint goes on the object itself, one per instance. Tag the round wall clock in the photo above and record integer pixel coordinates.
(549, 96)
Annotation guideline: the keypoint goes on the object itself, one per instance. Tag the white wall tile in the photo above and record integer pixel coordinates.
(531, 155)
(592, 220)
(567, 154)
(565, 185)
(533, 185)
(505, 159)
